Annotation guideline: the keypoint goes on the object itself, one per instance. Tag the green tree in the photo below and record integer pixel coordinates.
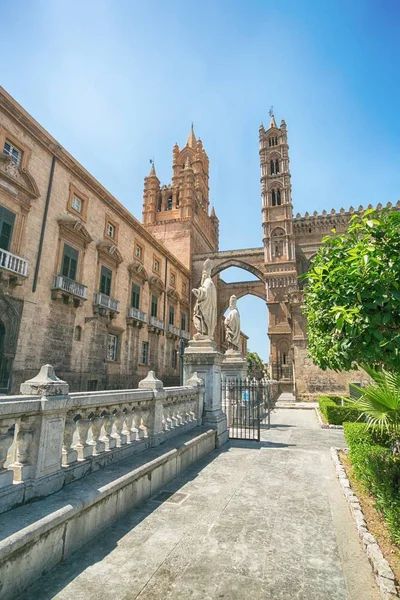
(255, 365)
(352, 296)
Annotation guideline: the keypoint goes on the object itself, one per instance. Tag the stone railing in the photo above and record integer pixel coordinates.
(185, 335)
(14, 264)
(70, 286)
(135, 313)
(49, 437)
(103, 301)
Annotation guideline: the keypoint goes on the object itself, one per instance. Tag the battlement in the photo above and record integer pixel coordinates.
(338, 219)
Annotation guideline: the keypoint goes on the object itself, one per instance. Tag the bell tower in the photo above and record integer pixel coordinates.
(279, 246)
(178, 214)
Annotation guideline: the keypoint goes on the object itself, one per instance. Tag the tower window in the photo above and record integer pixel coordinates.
(272, 166)
(159, 203)
(278, 197)
(276, 166)
(169, 203)
(177, 201)
(273, 198)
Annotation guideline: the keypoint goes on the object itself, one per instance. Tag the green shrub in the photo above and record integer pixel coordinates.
(335, 413)
(379, 470)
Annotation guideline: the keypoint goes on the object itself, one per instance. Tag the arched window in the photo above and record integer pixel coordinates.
(278, 197)
(177, 200)
(272, 165)
(159, 203)
(277, 242)
(276, 165)
(273, 198)
(169, 203)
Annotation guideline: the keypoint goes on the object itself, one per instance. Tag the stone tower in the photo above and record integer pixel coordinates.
(279, 246)
(178, 214)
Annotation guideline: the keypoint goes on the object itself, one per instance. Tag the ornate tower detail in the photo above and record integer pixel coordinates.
(178, 214)
(279, 245)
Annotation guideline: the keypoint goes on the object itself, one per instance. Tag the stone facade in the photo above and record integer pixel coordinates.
(70, 256)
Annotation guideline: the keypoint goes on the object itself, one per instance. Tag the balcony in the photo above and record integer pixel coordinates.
(156, 325)
(63, 286)
(173, 332)
(12, 267)
(185, 335)
(135, 317)
(104, 305)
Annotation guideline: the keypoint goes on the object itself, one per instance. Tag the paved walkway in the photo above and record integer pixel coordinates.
(252, 521)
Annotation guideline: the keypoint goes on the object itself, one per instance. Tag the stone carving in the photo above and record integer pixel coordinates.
(205, 309)
(232, 326)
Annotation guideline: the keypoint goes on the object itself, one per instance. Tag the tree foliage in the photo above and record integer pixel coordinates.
(352, 298)
(255, 365)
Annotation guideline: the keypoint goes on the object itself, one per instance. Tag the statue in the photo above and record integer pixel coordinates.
(232, 326)
(205, 309)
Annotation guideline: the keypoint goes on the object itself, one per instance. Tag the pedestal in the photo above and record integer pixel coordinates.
(202, 356)
(234, 366)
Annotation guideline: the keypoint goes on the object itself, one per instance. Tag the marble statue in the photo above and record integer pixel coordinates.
(205, 309)
(232, 326)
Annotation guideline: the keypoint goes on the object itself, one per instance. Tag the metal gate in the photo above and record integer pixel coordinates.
(246, 403)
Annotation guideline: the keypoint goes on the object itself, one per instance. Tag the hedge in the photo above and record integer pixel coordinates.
(335, 413)
(375, 465)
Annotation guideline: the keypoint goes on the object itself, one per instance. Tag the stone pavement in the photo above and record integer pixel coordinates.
(250, 521)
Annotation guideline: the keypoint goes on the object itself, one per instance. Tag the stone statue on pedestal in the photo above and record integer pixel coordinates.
(232, 327)
(205, 309)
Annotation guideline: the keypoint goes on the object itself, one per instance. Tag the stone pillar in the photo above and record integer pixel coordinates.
(202, 357)
(155, 428)
(234, 366)
(39, 439)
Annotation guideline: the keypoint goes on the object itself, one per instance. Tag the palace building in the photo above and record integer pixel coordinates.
(86, 287)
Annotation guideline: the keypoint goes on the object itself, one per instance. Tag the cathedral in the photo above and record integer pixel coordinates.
(104, 298)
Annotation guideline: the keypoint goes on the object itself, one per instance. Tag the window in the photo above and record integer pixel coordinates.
(184, 289)
(7, 219)
(135, 295)
(272, 167)
(105, 281)
(92, 385)
(12, 151)
(171, 318)
(174, 359)
(276, 166)
(78, 333)
(112, 347)
(159, 203)
(145, 353)
(69, 262)
(183, 321)
(138, 252)
(169, 203)
(110, 230)
(156, 266)
(154, 306)
(177, 200)
(77, 204)
(276, 197)
(172, 279)
(273, 198)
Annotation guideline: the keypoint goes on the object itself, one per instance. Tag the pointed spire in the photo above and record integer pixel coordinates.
(191, 141)
(213, 215)
(272, 122)
(152, 170)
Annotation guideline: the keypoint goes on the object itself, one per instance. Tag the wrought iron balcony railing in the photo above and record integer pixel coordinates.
(14, 264)
(69, 286)
(104, 301)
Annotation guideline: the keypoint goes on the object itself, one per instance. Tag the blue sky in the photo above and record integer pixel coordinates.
(119, 81)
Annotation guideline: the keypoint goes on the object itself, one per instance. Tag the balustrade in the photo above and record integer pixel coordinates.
(53, 437)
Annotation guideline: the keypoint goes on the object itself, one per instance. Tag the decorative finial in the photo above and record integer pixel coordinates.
(271, 111)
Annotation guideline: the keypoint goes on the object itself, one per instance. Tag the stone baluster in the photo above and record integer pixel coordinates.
(179, 414)
(192, 409)
(23, 439)
(127, 429)
(69, 454)
(137, 418)
(185, 412)
(83, 448)
(145, 420)
(6, 439)
(172, 413)
(108, 439)
(98, 444)
(120, 438)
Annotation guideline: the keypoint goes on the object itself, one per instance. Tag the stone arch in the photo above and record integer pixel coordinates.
(232, 262)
